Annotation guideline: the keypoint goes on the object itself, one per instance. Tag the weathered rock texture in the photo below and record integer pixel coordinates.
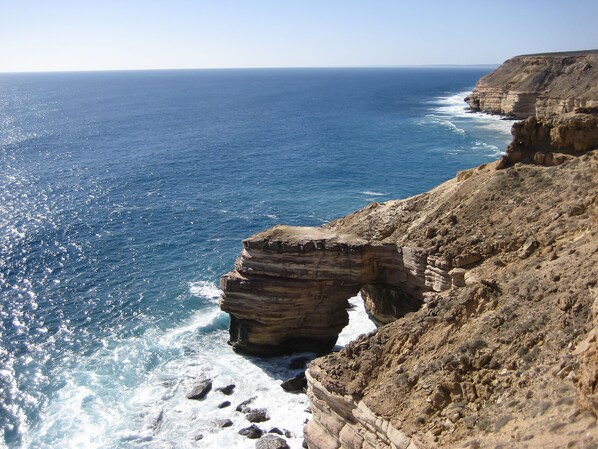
(493, 274)
(290, 286)
(503, 349)
(505, 357)
(539, 85)
(550, 141)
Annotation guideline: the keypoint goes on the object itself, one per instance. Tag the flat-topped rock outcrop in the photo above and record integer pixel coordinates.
(540, 85)
(290, 287)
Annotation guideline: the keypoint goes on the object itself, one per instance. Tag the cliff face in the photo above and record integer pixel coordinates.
(493, 275)
(539, 85)
(290, 285)
(503, 349)
(509, 359)
(551, 140)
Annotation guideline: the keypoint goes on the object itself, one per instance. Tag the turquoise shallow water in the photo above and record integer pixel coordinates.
(124, 196)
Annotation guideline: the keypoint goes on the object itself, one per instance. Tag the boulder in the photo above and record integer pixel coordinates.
(224, 423)
(257, 415)
(271, 442)
(200, 389)
(295, 384)
(253, 432)
(228, 390)
(243, 407)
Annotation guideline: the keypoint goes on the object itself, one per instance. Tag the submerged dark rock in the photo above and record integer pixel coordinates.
(299, 363)
(228, 390)
(295, 384)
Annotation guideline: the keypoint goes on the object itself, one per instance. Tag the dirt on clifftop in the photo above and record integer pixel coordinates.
(510, 359)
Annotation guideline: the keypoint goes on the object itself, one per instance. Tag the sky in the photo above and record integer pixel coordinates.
(65, 35)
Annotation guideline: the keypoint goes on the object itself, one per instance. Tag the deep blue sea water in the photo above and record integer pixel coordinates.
(125, 195)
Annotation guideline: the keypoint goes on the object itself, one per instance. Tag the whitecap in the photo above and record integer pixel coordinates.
(451, 111)
(205, 289)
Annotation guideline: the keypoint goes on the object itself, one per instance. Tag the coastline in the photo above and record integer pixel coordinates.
(416, 262)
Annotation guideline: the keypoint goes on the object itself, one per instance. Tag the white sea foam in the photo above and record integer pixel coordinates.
(371, 193)
(454, 107)
(359, 323)
(205, 289)
(143, 403)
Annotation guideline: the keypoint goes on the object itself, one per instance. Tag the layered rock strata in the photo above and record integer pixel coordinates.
(539, 85)
(494, 275)
(550, 141)
(501, 266)
(507, 357)
(290, 286)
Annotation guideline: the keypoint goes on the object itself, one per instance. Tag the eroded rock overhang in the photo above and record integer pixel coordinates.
(290, 286)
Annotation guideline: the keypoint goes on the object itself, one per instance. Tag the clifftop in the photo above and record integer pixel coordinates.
(539, 85)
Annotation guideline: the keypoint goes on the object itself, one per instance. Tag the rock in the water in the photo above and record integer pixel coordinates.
(295, 384)
(224, 423)
(257, 415)
(224, 404)
(275, 430)
(228, 390)
(200, 388)
(271, 442)
(252, 432)
(243, 407)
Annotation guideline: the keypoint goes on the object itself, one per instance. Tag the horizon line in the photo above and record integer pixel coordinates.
(373, 66)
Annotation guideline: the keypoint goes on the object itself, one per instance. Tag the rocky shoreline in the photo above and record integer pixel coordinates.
(484, 291)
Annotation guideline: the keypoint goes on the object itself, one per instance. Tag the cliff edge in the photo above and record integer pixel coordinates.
(502, 354)
(539, 85)
(484, 291)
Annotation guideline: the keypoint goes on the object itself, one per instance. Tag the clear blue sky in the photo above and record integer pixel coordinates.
(48, 35)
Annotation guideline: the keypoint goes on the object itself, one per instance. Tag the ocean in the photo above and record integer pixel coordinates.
(125, 195)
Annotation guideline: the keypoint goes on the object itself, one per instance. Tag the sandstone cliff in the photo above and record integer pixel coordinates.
(502, 265)
(502, 350)
(484, 290)
(507, 358)
(539, 85)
